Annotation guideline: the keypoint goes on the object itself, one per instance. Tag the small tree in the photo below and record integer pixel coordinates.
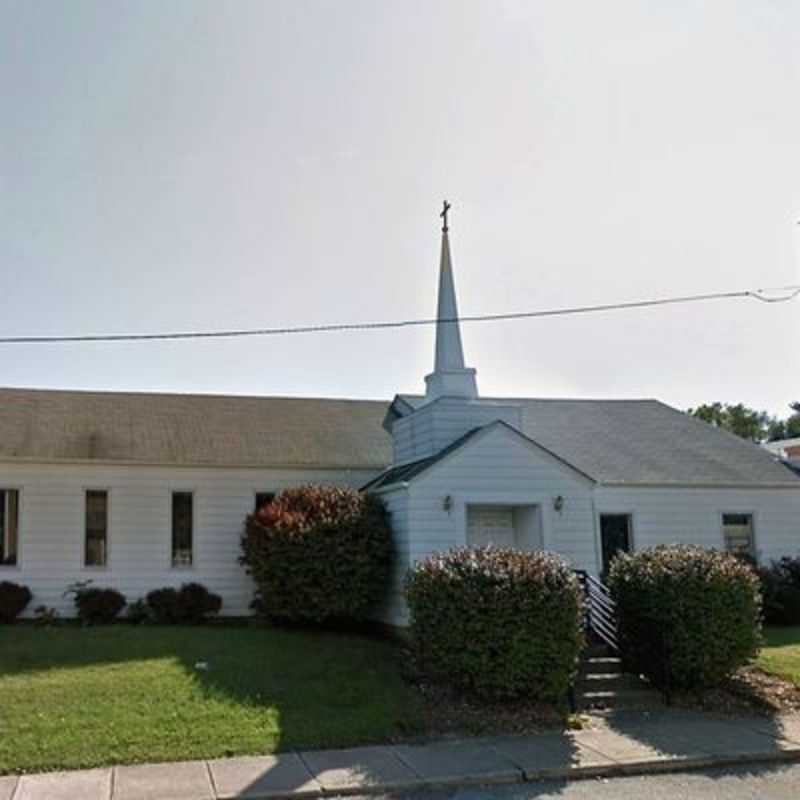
(318, 553)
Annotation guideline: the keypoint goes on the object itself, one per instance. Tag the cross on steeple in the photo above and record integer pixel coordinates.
(450, 376)
(443, 215)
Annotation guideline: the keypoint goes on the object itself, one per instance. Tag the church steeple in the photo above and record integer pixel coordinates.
(450, 377)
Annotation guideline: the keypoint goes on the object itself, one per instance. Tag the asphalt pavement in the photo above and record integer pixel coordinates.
(737, 783)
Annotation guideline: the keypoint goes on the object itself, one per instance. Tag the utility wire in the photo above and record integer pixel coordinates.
(787, 293)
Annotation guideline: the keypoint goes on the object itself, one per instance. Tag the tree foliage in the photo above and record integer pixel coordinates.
(788, 428)
(748, 423)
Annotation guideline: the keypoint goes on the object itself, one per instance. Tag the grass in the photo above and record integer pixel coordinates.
(78, 697)
(781, 653)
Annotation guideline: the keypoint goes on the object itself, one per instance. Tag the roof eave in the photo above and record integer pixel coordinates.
(110, 462)
(698, 485)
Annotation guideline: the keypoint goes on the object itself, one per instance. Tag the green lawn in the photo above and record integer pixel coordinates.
(79, 697)
(781, 653)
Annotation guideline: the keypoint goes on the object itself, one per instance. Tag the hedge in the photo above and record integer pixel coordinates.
(94, 605)
(780, 587)
(688, 617)
(192, 603)
(318, 554)
(13, 600)
(496, 622)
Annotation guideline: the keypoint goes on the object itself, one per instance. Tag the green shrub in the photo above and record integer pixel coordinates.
(192, 604)
(500, 623)
(95, 606)
(688, 617)
(196, 603)
(45, 616)
(780, 588)
(13, 599)
(317, 554)
(163, 603)
(138, 612)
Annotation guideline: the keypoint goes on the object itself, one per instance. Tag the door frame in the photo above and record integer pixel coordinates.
(631, 533)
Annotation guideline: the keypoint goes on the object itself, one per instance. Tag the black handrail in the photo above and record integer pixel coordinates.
(600, 611)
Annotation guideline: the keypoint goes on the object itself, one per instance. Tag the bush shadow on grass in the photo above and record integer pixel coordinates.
(328, 689)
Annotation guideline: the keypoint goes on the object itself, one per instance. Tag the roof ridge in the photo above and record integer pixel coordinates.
(204, 395)
(551, 399)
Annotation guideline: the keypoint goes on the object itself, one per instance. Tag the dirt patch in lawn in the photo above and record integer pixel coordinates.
(447, 712)
(749, 691)
(450, 713)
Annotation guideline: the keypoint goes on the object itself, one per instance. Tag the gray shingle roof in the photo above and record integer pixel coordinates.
(612, 441)
(405, 472)
(192, 429)
(644, 442)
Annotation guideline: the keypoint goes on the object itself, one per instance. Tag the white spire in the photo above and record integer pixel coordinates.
(450, 378)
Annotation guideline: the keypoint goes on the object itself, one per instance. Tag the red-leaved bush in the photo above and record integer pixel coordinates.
(318, 553)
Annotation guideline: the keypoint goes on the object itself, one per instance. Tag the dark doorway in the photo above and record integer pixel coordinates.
(615, 536)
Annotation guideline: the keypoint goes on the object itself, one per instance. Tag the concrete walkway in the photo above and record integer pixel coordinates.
(616, 744)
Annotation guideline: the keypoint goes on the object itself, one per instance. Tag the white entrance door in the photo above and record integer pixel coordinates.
(490, 525)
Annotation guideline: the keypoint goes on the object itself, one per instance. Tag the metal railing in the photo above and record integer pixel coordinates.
(600, 611)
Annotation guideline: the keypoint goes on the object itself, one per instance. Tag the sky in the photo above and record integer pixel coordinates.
(210, 165)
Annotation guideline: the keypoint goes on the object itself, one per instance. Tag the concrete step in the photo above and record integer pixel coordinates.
(609, 682)
(626, 699)
(602, 684)
(600, 666)
(605, 659)
(596, 651)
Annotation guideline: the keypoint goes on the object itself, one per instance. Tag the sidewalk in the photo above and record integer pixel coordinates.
(620, 743)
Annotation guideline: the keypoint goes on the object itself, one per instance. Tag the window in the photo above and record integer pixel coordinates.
(9, 527)
(737, 530)
(615, 536)
(96, 550)
(262, 498)
(182, 513)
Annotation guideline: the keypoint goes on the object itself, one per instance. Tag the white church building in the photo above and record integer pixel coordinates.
(140, 491)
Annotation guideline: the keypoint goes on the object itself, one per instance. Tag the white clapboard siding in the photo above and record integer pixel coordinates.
(393, 611)
(496, 467)
(52, 526)
(694, 516)
(436, 425)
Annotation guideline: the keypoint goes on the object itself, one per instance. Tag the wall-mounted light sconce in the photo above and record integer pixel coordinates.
(558, 503)
(447, 503)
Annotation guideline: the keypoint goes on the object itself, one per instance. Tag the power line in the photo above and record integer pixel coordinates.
(763, 295)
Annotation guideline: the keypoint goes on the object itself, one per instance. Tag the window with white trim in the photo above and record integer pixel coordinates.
(9, 527)
(737, 530)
